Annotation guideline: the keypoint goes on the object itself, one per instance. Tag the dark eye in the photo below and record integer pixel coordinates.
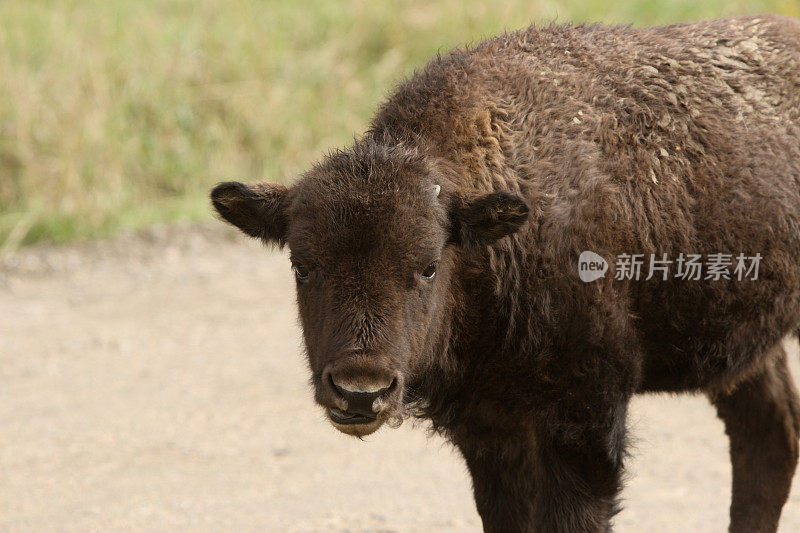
(430, 271)
(300, 271)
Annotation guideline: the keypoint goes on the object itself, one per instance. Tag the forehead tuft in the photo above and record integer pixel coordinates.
(369, 177)
(369, 196)
(369, 167)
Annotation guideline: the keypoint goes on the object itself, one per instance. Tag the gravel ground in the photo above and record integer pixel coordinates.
(156, 382)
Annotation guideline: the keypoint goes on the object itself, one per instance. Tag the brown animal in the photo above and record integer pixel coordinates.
(437, 258)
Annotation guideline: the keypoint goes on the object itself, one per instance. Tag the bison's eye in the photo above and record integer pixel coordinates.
(430, 271)
(300, 271)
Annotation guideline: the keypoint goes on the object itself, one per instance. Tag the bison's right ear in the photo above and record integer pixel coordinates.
(481, 220)
(258, 209)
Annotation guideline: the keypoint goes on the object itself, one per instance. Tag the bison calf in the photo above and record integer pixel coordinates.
(437, 258)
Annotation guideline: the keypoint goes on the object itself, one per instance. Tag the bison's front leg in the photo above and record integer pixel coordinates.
(579, 469)
(561, 477)
(503, 471)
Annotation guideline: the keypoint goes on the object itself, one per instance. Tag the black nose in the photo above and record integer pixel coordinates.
(360, 402)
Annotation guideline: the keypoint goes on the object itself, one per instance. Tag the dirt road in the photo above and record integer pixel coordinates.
(156, 382)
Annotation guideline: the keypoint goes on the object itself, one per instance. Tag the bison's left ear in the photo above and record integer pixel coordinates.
(482, 220)
(258, 209)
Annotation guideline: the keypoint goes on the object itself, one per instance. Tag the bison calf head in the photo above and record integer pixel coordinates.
(376, 236)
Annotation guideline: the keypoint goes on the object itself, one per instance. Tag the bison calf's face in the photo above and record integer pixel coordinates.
(375, 242)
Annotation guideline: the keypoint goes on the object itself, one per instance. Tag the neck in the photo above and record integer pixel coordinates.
(492, 317)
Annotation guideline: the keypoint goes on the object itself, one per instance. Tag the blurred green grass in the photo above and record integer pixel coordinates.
(121, 114)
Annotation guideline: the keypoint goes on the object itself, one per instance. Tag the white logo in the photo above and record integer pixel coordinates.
(591, 266)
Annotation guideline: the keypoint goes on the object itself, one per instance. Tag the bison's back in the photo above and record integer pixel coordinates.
(755, 60)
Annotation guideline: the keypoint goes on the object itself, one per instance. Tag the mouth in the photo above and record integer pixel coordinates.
(355, 424)
(345, 418)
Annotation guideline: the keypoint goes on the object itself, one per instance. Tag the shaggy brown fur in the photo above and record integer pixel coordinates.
(437, 257)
